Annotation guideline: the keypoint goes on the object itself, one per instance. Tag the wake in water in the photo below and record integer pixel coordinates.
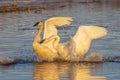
(94, 58)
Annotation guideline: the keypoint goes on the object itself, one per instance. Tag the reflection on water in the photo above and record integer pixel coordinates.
(46, 71)
(66, 71)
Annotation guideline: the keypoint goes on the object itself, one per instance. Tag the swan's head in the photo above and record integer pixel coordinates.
(39, 23)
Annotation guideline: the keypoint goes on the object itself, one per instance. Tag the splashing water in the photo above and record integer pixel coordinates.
(6, 60)
(20, 59)
(94, 57)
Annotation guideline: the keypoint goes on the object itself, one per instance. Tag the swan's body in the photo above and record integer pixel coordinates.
(62, 49)
(74, 49)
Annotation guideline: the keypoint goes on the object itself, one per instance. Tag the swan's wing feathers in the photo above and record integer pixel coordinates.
(85, 35)
(81, 40)
(92, 32)
(95, 31)
(58, 21)
(50, 25)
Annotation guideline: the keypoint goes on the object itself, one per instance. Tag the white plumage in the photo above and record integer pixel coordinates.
(76, 47)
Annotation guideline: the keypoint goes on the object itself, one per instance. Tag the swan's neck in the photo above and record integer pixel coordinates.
(55, 39)
(38, 34)
(56, 42)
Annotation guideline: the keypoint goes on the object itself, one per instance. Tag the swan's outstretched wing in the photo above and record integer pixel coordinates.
(50, 25)
(50, 29)
(85, 35)
(95, 31)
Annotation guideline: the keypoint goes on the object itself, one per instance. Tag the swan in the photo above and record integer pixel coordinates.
(43, 49)
(74, 49)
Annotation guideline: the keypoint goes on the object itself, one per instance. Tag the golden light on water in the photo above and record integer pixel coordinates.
(70, 71)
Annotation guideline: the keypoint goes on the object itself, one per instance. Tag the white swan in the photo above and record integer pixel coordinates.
(43, 49)
(76, 47)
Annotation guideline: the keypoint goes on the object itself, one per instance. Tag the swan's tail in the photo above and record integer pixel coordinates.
(95, 32)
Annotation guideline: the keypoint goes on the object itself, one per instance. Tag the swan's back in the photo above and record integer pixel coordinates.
(85, 35)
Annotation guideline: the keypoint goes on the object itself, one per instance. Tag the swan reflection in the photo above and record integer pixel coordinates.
(66, 71)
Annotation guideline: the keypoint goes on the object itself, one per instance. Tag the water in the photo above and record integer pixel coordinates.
(61, 71)
(16, 36)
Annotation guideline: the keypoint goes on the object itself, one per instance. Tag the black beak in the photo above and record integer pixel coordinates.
(42, 41)
(36, 24)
